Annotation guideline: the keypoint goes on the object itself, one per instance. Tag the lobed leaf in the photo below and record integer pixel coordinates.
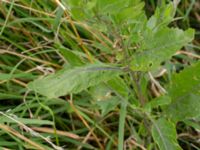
(159, 46)
(162, 17)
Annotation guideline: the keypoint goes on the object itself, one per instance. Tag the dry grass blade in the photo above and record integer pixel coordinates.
(62, 133)
(86, 124)
(17, 134)
(29, 8)
(6, 148)
(188, 54)
(86, 138)
(58, 87)
(2, 51)
(80, 42)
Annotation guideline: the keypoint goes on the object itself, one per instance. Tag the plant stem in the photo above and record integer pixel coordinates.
(137, 87)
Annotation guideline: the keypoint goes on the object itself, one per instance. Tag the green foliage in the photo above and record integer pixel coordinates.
(163, 16)
(115, 13)
(103, 97)
(26, 121)
(101, 72)
(156, 43)
(107, 105)
(164, 133)
(118, 85)
(159, 101)
(75, 80)
(185, 94)
(159, 46)
(72, 58)
(122, 119)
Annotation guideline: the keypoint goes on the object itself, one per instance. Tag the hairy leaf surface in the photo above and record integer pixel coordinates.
(73, 80)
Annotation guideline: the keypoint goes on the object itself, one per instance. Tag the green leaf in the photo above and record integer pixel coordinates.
(162, 17)
(159, 46)
(185, 92)
(103, 96)
(186, 82)
(78, 13)
(159, 101)
(111, 6)
(73, 80)
(121, 129)
(100, 92)
(164, 134)
(193, 124)
(108, 105)
(72, 58)
(75, 2)
(119, 86)
(91, 4)
(129, 13)
(4, 119)
(8, 96)
(81, 10)
(5, 76)
(186, 107)
(58, 18)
